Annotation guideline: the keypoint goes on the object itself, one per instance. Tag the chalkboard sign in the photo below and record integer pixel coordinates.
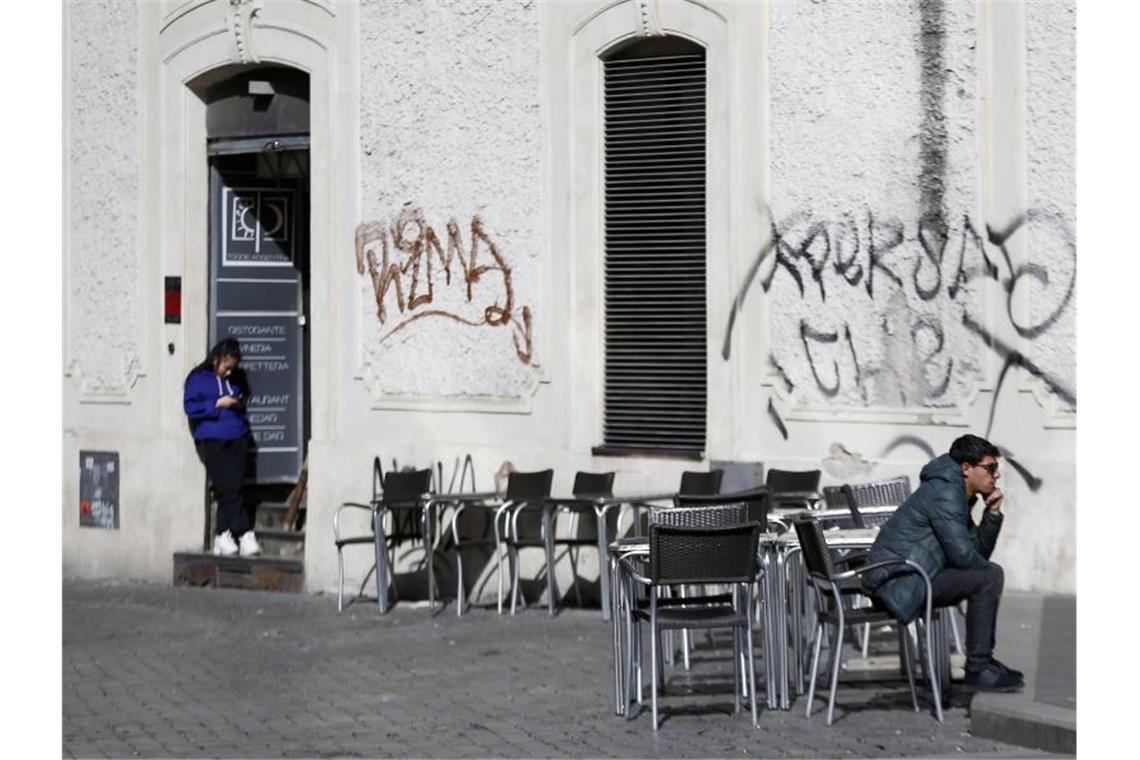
(269, 345)
(99, 489)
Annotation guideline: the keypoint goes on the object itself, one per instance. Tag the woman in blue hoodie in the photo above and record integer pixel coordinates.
(214, 399)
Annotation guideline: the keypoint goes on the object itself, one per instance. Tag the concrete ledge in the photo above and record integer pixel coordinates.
(1017, 719)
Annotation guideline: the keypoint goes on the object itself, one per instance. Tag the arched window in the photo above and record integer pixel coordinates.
(655, 240)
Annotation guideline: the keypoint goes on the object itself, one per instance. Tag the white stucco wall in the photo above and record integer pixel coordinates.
(1051, 164)
(103, 148)
(450, 132)
(865, 146)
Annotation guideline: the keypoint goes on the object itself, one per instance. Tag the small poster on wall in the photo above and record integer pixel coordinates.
(99, 489)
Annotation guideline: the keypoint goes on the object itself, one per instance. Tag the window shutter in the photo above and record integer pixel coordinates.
(655, 314)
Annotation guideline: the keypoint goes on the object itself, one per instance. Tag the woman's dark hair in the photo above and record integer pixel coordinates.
(971, 449)
(225, 348)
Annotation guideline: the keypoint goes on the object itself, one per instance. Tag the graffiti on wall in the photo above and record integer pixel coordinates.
(406, 259)
(928, 262)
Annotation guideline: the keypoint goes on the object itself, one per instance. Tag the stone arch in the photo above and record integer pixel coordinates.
(188, 45)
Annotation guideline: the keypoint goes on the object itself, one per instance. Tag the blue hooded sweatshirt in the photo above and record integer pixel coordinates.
(207, 421)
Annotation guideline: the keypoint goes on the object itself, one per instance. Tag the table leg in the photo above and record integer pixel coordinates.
(619, 664)
(381, 561)
(548, 532)
(782, 631)
(429, 548)
(603, 571)
(767, 605)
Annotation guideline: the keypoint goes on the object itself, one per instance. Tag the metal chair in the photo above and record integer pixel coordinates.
(401, 494)
(826, 582)
(526, 526)
(693, 483)
(792, 489)
(858, 496)
(690, 556)
(700, 512)
(587, 486)
(701, 483)
(863, 501)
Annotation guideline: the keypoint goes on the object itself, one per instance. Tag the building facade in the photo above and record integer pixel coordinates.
(865, 238)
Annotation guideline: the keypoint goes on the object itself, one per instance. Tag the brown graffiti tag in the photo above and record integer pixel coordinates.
(410, 254)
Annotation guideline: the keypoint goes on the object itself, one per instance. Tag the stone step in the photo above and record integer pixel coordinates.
(255, 573)
(271, 514)
(281, 543)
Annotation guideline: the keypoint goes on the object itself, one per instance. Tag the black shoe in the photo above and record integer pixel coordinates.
(993, 677)
(1015, 673)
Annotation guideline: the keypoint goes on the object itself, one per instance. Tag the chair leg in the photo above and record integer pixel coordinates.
(836, 660)
(632, 665)
(932, 673)
(736, 671)
(908, 662)
(340, 580)
(751, 675)
(515, 574)
(814, 666)
(660, 664)
(653, 655)
(866, 640)
(459, 595)
(499, 562)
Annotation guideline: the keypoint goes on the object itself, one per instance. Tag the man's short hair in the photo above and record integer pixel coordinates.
(971, 449)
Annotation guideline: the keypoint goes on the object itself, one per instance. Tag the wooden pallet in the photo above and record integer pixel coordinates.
(256, 573)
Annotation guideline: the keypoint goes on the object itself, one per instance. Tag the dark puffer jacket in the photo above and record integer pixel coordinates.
(933, 527)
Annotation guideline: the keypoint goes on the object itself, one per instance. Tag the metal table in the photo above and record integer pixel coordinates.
(601, 505)
(427, 508)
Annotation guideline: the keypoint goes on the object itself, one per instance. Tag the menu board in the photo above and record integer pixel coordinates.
(269, 345)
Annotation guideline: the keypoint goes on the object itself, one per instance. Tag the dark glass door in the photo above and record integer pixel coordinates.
(259, 267)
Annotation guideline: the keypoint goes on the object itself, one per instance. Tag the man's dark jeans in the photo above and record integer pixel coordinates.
(981, 589)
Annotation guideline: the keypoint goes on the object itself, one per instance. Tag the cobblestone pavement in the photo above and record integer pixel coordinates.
(152, 671)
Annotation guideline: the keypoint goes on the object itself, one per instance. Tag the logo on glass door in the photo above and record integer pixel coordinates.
(256, 227)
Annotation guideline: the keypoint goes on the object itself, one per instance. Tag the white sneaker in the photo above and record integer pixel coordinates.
(224, 544)
(249, 546)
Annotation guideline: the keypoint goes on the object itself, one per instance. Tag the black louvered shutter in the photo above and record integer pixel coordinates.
(655, 343)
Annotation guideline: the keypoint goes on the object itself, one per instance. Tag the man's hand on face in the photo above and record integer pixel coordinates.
(993, 501)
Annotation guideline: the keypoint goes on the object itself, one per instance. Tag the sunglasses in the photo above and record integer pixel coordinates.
(991, 468)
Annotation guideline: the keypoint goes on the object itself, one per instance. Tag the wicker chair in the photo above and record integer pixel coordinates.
(858, 496)
(826, 582)
(693, 483)
(689, 555)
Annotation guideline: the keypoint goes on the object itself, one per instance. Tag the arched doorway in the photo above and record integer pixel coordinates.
(257, 149)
